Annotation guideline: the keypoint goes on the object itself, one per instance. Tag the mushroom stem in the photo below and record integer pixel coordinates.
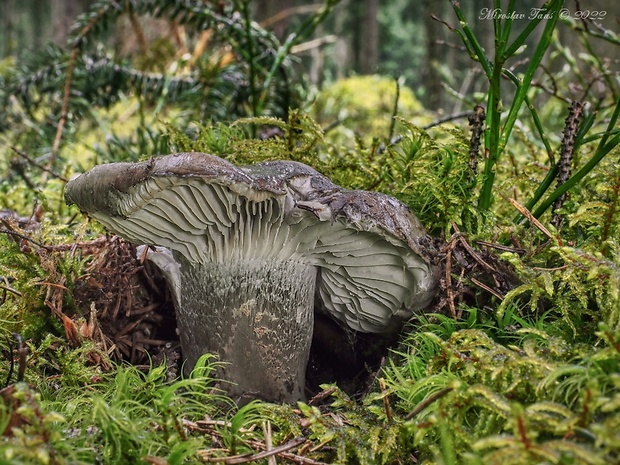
(257, 315)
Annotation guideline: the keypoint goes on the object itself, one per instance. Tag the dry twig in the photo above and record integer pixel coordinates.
(428, 401)
(528, 214)
(35, 163)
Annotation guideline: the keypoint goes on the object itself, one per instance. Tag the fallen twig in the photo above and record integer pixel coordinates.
(24, 237)
(386, 401)
(450, 248)
(487, 288)
(528, 214)
(269, 442)
(246, 458)
(471, 251)
(33, 162)
(11, 290)
(447, 118)
(428, 401)
(504, 248)
(322, 395)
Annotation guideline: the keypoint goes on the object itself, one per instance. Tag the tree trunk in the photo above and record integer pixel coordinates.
(39, 15)
(369, 38)
(64, 13)
(7, 13)
(344, 45)
(430, 74)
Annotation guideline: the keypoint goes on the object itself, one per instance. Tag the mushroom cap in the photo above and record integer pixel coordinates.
(374, 258)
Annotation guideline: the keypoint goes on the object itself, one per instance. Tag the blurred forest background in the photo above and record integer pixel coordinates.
(397, 38)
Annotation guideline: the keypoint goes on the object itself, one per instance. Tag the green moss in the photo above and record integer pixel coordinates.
(362, 107)
(533, 403)
(121, 417)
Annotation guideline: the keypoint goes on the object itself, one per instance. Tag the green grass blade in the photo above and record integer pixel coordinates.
(522, 37)
(537, 122)
(544, 43)
(507, 25)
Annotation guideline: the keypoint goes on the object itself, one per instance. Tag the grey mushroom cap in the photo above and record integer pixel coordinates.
(373, 256)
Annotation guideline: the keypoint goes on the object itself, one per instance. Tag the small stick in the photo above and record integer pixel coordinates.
(322, 395)
(12, 365)
(471, 251)
(528, 214)
(23, 237)
(386, 400)
(32, 161)
(301, 460)
(64, 111)
(22, 350)
(246, 458)
(475, 255)
(487, 288)
(11, 290)
(447, 118)
(504, 248)
(394, 110)
(428, 401)
(271, 460)
(451, 246)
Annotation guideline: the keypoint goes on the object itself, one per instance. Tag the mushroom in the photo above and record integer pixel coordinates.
(250, 251)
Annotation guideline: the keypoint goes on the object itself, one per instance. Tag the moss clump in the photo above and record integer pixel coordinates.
(363, 107)
(475, 400)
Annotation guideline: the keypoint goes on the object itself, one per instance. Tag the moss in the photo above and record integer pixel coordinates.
(532, 403)
(363, 107)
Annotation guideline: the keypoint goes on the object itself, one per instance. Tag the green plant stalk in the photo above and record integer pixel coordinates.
(472, 41)
(598, 135)
(545, 41)
(505, 33)
(540, 191)
(537, 122)
(610, 214)
(494, 103)
(499, 135)
(604, 147)
(608, 35)
(497, 27)
(494, 128)
(573, 180)
(521, 38)
(584, 127)
(610, 126)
